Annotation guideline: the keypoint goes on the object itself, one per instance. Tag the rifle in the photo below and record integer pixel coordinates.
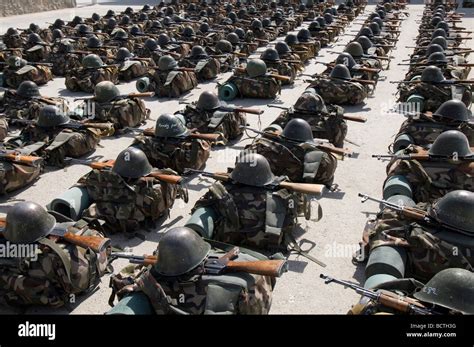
(319, 143)
(445, 82)
(277, 77)
(96, 243)
(358, 119)
(206, 137)
(413, 213)
(466, 165)
(32, 64)
(355, 67)
(125, 96)
(256, 111)
(168, 178)
(385, 297)
(71, 125)
(368, 56)
(217, 266)
(305, 188)
(15, 156)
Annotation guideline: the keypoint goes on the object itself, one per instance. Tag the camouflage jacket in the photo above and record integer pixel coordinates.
(61, 270)
(176, 154)
(171, 83)
(198, 292)
(38, 74)
(17, 107)
(14, 175)
(227, 124)
(123, 113)
(86, 79)
(205, 69)
(262, 87)
(340, 92)
(62, 63)
(131, 69)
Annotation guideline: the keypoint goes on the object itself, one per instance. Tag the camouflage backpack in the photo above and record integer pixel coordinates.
(172, 83)
(132, 69)
(261, 87)
(15, 175)
(206, 69)
(340, 92)
(123, 113)
(85, 79)
(38, 74)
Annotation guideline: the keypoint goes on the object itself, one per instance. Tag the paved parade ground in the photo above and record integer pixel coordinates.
(333, 239)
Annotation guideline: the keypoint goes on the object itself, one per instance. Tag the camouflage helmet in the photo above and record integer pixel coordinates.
(314, 26)
(340, 72)
(180, 250)
(450, 142)
(346, 59)
(204, 27)
(454, 110)
(454, 210)
(441, 41)
(375, 28)
(252, 169)
(28, 222)
(163, 39)
(291, 39)
(304, 35)
(57, 34)
(92, 61)
(240, 33)
(256, 24)
(366, 31)
(208, 101)
(233, 38)
(224, 46)
(310, 102)
(125, 20)
(328, 18)
(96, 17)
(282, 48)
(105, 91)
(437, 58)
(198, 52)
(432, 74)
(51, 116)
(433, 48)
(167, 63)
(120, 34)
(270, 54)
(93, 42)
(188, 31)
(443, 25)
(28, 89)
(34, 38)
(355, 49)
(123, 53)
(439, 32)
(364, 42)
(111, 23)
(256, 67)
(169, 125)
(298, 129)
(321, 21)
(452, 288)
(132, 163)
(83, 29)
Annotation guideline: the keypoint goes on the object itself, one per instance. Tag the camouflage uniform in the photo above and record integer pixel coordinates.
(17, 107)
(206, 69)
(171, 83)
(14, 175)
(38, 74)
(123, 113)
(85, 79)
(340, 92)
(261, 87)
(132, 69)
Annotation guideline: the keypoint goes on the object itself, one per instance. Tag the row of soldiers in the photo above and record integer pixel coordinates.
(418, 248)
(253, 205)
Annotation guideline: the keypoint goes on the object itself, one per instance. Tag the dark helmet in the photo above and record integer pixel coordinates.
(439, 32)
(125, 20)
(92, 61)
(282, 48)
(310, 102)
(93, 42)
(204, 27)
(210, 11)
(270, 54)
(57, 34)
(291, 39)
(84, 29)
(191, 7)
(256, 67)
(437, 58)
(321, 21)
(59, 23)
(135, 30)
(242, 13)
(166, 63)
(433, 48)
(454, 210)
(170, 125)
(208, 101)
(240, 33)
(454, 110)
(180, 250)
(432, 74)
(28, 90)
(146, 8)
(120, 34)
(34, 39)
(233, 38)
(366, 31)
(378, 21)
(443, 25)
(451, 288)
(364, 42)
(198, 52)
(163, 39)
(28, 222)
(65, 46)
(224, 46)
(123, 53)
(441, 41)
(374, 15)
(111, 23)
(375, 28)
(252, 169)
(169, 11)
(233, 17)
(132, 163)
(314, 26)
(328, 18)
(128, 11)
(51, 116)
(77, 20)
(110, 13)
(156, 24)
(340, 72)
(450, 142)
(266, 22)
(188, 31)
(13, 32)
(15, 61)
(298, 129)
(34, 27)
(252, 10)
(435, 20)
(355, 49)
(381, 13)
(105, 91)
(256, 24)
(304, 35)
(96, 17)
(167, 20)
(346, 59)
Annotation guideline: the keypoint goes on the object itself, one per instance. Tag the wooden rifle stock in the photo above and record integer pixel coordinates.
(207, 137)
(397, 302)
(141, 95)
(186, 69)
(22, 159)
(363, 81)
(359, 119)
(305, 188)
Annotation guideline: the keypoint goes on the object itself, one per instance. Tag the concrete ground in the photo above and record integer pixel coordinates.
(334, 238)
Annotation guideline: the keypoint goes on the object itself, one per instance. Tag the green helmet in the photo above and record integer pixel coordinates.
(252, 169)
(240, 33)
(314, 26)
(132, 163)
(57, 34)
(83, 29)
(93, 42)
(304, 35)
(65, 46)
(163, 39)
(433, 48)
(34, 39)
(96, 17)
(16, 62)
(111, 23)
(340, 72)
(233, 38)
(298, 129)
(270, 54)
(364, 42)
(28, 222)
(439, 32)
(51, 116)
(374, 26)
(256, 68)
(59, 23)
(92, 61)
(120, 34)
(256, 24)
(198, 52)
(123, 54)
(449, 142)
(454, 110)
(167, 63)
(454, 210)
(310, 102)
(451, 288)
(180, 250)
(28, 90)
(291, 39)
(366, 31)
(328, 18)
(443, 25)
(151, 44)
(188, 31)
(441, 41)
(224, 46)
(13, 32)
(346, 59)
(437, 58)
(208, 101)
(125, 20)
(105, 91)
(282, 48)
(355, 49)
(432, 74)
(170, 125)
